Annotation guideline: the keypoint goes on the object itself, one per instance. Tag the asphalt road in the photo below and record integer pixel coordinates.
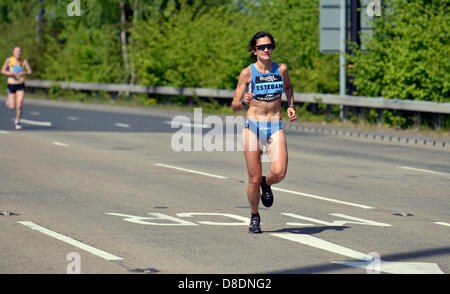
(96, 189)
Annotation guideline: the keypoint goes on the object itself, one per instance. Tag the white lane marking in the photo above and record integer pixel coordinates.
(190, 171)
(389, 267)
(35, 113)
(322, 198)
(424, 170)
(36, 123)
(321, 244)
(72, 118)
(442, 224)
(122, 125)
(68, 240)
(4, 132)
(60, 144)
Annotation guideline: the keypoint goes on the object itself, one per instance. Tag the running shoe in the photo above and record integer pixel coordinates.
(255, 225)
(18, 126)
(266, 195)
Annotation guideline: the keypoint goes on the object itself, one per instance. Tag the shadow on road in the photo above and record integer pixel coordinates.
(308, 231)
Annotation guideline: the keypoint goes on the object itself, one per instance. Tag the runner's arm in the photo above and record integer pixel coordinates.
(289, 91)
(243, 81)
(28, 71)
(4, 67)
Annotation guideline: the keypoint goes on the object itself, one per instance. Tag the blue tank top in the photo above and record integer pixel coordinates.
(266, 86)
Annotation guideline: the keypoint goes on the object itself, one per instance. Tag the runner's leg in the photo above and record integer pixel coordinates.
(20, 95)
(11, 102)
(278, 158)
(252, 154)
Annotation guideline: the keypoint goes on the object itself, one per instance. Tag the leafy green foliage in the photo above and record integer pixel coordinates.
(295, 27)
(194, 48)
(203, 43)
(90, 55)
(409, 54)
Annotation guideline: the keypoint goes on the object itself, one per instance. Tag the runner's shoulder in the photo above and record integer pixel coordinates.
(246, 73)
(282, 67)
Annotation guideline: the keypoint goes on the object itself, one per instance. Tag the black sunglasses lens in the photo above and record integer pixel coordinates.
(263, 47)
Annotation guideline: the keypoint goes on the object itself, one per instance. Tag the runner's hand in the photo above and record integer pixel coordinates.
(292, 114)
(248, 97)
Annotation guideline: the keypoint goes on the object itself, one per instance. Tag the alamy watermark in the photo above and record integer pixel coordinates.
(74, 266)
(74, 8)
(234, 133)
(374, 8)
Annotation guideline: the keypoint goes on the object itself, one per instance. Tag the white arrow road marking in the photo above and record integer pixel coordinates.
(397, 267)
(337, 223)
(36, 123)
(82, 246)
(244, 220)
(144, 220)
(389, 267)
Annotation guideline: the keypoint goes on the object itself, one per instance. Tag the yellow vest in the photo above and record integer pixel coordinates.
(15, 66)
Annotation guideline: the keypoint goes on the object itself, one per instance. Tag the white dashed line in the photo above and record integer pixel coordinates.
(60, 144)
(186, 124)
(68, 240)
(322, 198)
(72, 118)
(191, 171)
(424, 170)
(443, 224)
(122, 125)
(273, 188)
(4, 132)
(36, 123)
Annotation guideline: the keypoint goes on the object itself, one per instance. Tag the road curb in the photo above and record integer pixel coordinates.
(369, 135)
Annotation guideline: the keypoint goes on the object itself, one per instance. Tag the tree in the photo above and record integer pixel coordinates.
(196, 47)
(409, 56)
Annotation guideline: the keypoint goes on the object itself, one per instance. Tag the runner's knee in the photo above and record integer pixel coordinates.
(278, 175)
(255, 180)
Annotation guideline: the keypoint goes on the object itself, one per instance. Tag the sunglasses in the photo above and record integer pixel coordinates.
(263, 47)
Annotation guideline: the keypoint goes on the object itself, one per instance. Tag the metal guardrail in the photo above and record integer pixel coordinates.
(329, 99)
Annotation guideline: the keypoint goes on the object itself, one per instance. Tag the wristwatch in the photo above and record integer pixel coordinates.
(242, 102)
